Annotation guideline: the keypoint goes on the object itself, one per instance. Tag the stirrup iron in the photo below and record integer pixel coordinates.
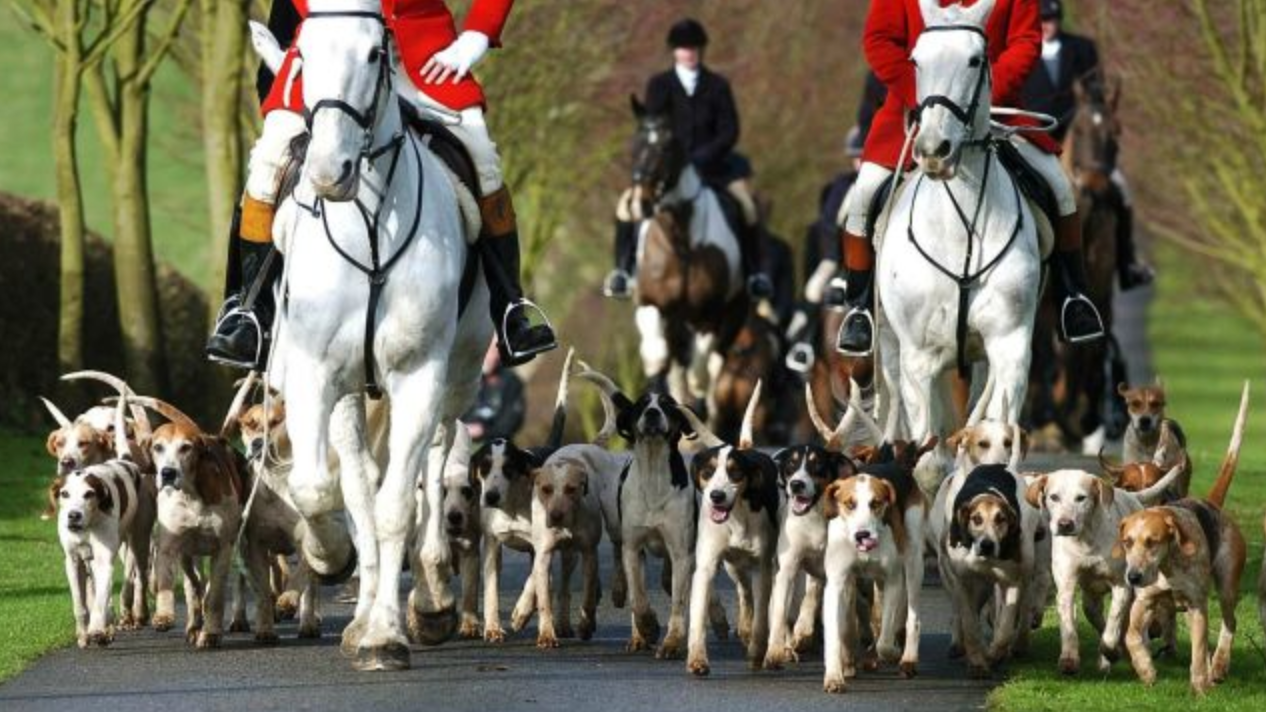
(800, 358)
(530, 307)
(1063, 315)
(870, 322)
(261, 338)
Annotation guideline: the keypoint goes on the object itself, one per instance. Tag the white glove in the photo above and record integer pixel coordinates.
(456, 59)
(266, 46)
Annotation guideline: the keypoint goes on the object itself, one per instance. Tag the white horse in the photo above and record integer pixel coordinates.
(365, 180)
(960, 220)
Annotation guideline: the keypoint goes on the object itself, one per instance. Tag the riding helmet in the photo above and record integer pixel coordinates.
(687, 33)
(1052, 10)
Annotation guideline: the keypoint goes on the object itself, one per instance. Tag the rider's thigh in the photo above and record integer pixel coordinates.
(1052, 171)
(1123, 186)
(271, 152)
(856, 207)
(472, 130)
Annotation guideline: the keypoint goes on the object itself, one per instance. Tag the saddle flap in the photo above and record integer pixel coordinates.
(456, 162)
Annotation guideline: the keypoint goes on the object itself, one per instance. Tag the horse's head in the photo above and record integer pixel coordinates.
(658, 155)
(951, 61)
(1094, 137)
(346, 76)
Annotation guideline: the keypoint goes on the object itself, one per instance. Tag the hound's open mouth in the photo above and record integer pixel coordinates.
(75, 527)
(801, 504)
(719, 514)
(868, 544)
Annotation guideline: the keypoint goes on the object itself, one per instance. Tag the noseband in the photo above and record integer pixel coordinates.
(965, 116)
(368, 118)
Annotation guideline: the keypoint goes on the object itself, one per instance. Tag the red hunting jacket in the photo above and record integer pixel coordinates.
(893, 27)
(421, 28)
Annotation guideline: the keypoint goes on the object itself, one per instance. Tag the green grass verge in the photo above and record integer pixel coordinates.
(35, 613)
(177, 179)
(1203, 352)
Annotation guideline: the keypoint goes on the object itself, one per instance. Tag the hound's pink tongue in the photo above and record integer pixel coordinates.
(720, 515)
(800, 505)
(866, 545)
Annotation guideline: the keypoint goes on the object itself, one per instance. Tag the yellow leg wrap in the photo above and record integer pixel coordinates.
(257, 220)
(497, 211)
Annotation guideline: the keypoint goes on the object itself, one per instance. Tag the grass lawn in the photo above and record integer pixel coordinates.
(1203, 353)
(34, 605)
(177, 179)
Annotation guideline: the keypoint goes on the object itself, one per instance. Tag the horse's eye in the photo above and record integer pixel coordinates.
(374, 55)
(974, 62)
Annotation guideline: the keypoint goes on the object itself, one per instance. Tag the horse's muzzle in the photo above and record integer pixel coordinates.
(340, 188)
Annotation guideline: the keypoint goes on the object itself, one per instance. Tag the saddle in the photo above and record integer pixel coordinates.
(732, 210)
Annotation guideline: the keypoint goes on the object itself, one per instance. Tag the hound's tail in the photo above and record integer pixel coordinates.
(560, 404)
(1217, 495)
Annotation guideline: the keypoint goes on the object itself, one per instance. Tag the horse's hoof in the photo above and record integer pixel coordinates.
(908, 670)
(834, 686)
(432, 628)
(99, 639)
(350, 644)
(162, 622)
(337, 577)
(382, 658)
(699, 668)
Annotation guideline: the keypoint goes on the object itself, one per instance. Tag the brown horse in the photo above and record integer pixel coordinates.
(1072, 386)
(692, 305)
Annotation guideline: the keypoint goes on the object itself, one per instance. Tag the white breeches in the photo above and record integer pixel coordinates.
(468, 125)
(856, 208)
(270, 154)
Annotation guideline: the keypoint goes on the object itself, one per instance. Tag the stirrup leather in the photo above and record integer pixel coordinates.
(800, 358)
(870, 324)
(530, 307)
(1063, 316)
(261, 338)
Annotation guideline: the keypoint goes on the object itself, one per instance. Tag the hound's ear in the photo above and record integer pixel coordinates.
(105, 502)
(958, 527)
(928, 446)
(1105, 491)
(1122, 389)
(831, 506)
(1024, 443)
(1036, 492)
(624, 423)
(639, 109)
(1186, 544)
(51, 444)
(842, 466)
(54, 490)
(704, 461)
(1118, 551)
(683, 424)
(957, 439)
(889, 493)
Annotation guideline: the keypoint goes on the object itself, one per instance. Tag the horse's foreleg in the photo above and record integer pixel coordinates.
(327, 547)
(1009, 360)
(357, 474)
(654, 342)
(916, 394)
(432, 612)
(415, 400)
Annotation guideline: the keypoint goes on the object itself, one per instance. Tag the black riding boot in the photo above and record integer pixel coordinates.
(759, 285)
(518, 340)
(1130, 272)
(619, 283)
(857, 333)
(242, 331)
(1079, 320)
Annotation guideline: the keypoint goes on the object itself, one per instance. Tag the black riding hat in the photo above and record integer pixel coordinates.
(1052, 10)
(687, 33)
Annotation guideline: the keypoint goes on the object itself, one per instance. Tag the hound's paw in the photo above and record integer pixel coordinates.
(266, 637)
(206, 641)
(850, 671)
(546, 641)
(889, 653)
(310, 631)
(998, 654)
(99, 639)
(698, 667)
(494, 634)
(1202, 685)
(802, 642)
(519, 619)
(1069, 666)
(287, 605)
(908, 669)
(636, 644)
(777, 657)
(162, 622)
(82, 641)
(646, 626)
(1147, 677)
(127, 621)
(239, 625)
(870, 663)
(834, 686)
(1109, 653)
(191, 634)
(672, 648)
(1221, 668)
(469, 630)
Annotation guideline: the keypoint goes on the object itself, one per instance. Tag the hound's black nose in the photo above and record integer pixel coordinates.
(74, 516)
(455, 518)
(492, 498)
(169, 475)
(987, 548)
(862, 535)
(1064, 526)
(68, 462)
(555, 518)
(798, 487)
(717, 497)
(1134, 578)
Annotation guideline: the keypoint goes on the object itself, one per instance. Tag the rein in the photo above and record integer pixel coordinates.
(376, 271)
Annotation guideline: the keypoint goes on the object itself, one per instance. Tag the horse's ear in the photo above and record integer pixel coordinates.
(639, 109)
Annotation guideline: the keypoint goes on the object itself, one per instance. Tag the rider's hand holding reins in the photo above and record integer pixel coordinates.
(456, 59)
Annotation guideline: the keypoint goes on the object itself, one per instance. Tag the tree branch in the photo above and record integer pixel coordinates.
(160, 52)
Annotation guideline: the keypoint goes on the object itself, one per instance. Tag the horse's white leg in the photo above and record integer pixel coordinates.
(1009, 361)
(654, 344)
(705, 366)
(310, 399)
(415, 399)
(432, 615)
(358, 473)
(916, 393)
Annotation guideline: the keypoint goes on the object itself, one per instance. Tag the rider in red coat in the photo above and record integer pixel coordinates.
(1014, 39)
(436, 59)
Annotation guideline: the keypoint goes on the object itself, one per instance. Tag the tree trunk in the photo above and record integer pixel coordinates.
(69, 192)
(133, 256)
(223, 46)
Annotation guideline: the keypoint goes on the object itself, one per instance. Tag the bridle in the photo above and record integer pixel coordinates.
(368, 118)
(670, 164)
(965, 116)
